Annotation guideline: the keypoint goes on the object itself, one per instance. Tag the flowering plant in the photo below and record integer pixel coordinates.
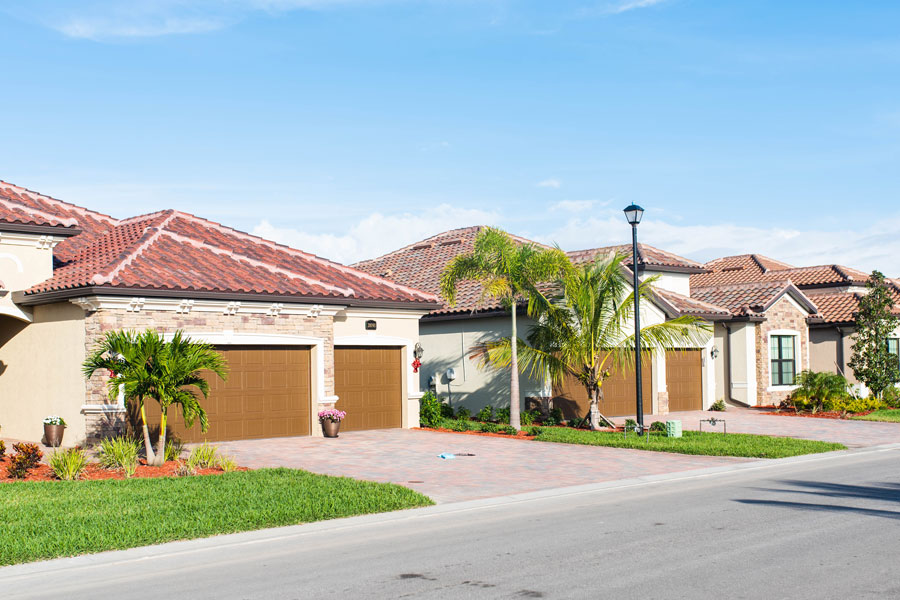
(54, 420)
(331, 414)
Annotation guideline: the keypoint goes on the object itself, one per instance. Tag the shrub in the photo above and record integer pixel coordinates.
(489, 427)
(429, 410)
(226, 463)
(890, 396)
(2, 449)
(460, 425)
(485, 414)
(534, 430)
(657, 426)
(446, 410)
(856, 405)
(463, 413)
(556, 415)
(27, 457)
(816, 389)
(502, 415)
(68, 464)
(528, 417)
(630, 424)
(174, 448)
(203, 456)
(119, 453)
(507, 429)
(718, 405)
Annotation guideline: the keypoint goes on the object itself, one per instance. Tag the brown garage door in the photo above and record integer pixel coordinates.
(267, 395)
(618, 394)
(369, 385)
(684, 379)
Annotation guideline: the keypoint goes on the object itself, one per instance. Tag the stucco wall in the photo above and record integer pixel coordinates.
(744, 351)
(41, 372)
(720, 343)
(25, 259)
(392, 329)
(97, 323)
(784, 315)
(447, 345)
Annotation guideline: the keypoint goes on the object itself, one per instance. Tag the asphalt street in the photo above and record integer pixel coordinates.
(823, 528)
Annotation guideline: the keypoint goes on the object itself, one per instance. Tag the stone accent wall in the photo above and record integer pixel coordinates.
(783, 315)
(99, 322)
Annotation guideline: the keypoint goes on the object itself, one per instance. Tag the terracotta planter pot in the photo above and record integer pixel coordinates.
(330, 428)
(54, 434)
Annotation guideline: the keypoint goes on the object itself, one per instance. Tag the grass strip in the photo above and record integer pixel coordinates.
(886, 415)
(693, 442)
(43, 520)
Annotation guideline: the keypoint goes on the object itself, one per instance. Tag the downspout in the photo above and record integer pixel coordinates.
(840, 351)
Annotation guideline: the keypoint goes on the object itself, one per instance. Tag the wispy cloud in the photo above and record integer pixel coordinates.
(550, 183)
(633, 5)
(574, 205)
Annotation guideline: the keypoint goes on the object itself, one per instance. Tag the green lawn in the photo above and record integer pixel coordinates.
(693, 442)
(50, 519)
(889, 415)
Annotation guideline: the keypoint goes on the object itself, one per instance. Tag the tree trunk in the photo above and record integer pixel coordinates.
(148, 447)
(514, 411)
(160, 458)
(595, 408)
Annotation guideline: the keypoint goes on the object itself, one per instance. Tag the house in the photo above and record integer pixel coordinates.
(803, 318)
(299, 332)
(682, 379)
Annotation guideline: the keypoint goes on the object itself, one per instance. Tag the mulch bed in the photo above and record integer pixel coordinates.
(790, 412)
(521, 435)
(94, 472)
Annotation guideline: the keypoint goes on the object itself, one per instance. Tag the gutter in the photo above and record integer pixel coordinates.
(57, 230)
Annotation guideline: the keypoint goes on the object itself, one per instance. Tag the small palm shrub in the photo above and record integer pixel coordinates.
(485, 414)
(26, 457)
(463, 413)
(503, 415)
(429, 410)
(718, 405)
(119, 453)
(203, 456)
(818, 388)
(68, 464)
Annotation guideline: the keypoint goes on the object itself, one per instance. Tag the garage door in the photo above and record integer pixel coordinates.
(619, 394)
(267, 395)
(684, 379)
(369, 385)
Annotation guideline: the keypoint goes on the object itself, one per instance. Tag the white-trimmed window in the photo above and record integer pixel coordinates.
(893, 345)
(783, 358)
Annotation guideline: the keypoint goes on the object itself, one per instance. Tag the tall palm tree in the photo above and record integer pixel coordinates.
(508, 272)
(144, 365)
(589, 331)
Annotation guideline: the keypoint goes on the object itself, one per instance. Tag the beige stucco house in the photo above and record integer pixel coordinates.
(682, 379)
(300, 333)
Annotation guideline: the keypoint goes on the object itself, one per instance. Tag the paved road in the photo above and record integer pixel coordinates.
(821, 528)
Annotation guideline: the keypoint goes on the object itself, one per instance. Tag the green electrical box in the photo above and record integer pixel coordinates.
(673, 429)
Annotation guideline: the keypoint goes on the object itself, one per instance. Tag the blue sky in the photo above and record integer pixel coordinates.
(351, 127)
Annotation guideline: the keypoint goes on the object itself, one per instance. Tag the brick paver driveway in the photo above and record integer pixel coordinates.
(853, 434)
(499, 467)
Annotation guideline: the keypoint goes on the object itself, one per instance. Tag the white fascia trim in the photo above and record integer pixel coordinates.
(229, 337)
(370, 313)
(388, 341)
(34, 240)
(102, 409)
(17, 312)
(186, 306)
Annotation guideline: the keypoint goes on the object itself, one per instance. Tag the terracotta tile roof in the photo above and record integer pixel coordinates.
(171, 250)
(748, 268)
(420, 265)
(39, 209)
(841, 307)
(748, 299)
(685, 305)
(647, 255)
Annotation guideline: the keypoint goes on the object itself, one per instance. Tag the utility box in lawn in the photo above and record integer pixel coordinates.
(673, 429)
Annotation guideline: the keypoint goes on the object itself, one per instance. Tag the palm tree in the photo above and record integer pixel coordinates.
(144, 365)
(817, 388)
(589, 331)
(508, 272)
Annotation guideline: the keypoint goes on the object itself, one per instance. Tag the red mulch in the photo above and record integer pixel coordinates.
(521, 435)
(791, 412)
(93, 472)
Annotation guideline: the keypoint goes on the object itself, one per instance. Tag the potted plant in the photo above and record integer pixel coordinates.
(331, 421)
(54, 427)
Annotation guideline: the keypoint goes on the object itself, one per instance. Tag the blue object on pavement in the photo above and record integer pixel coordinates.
(446, 455)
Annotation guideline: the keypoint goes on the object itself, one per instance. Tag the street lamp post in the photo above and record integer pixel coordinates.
(633, 214)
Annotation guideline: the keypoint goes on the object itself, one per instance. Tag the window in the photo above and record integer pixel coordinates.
(781, 352)
(894, 348)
